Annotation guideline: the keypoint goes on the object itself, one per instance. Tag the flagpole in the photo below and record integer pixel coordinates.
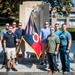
(18, 46)
(31, 23)
(32, 27)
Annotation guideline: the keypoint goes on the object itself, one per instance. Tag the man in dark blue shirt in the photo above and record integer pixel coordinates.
(19, 33)
(9, 41)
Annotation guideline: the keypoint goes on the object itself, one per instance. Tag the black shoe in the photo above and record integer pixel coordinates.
(8, 69)
(14, 69)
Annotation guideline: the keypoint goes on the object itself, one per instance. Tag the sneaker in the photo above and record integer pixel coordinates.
(8, 69)
(54, 72)
(49, 71)
(14, 69)
(65, 72)
(16, 62)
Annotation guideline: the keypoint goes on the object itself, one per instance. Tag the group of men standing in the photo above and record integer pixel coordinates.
(56, 43)
(11, 40)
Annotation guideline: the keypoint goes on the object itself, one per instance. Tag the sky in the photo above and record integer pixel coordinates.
(74, 1)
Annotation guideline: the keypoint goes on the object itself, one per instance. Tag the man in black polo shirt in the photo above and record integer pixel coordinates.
(9, 41)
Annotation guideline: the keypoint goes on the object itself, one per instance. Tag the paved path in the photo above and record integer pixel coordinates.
(32, 73)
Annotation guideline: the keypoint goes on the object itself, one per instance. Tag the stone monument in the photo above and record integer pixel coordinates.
(39, 11)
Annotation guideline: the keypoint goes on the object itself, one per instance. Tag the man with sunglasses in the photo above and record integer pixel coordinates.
(19, 33)
(44, 32)
(14, 24)
(53, 43)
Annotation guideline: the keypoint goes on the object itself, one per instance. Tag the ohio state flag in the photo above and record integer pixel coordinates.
(32, 38)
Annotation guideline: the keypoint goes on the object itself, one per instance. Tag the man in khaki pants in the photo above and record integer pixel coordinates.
(19, 32)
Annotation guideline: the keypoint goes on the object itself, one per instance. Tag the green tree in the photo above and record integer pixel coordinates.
(10, 8)
(60, 5)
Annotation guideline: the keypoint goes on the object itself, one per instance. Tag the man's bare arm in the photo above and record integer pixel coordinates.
(69, 45)
(57, 49)
(4, 45)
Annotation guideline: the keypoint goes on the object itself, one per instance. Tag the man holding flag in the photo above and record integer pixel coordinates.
(21, 43)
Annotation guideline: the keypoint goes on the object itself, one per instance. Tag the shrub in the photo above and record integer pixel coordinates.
(72, 31)
(1, 28)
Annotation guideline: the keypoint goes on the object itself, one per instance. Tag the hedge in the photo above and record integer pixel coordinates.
(72, 31)
(1, 28)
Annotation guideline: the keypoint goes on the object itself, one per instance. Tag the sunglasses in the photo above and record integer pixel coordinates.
(19, 25)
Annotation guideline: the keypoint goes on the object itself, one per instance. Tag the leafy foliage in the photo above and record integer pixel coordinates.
(62, 6)
(10, 8)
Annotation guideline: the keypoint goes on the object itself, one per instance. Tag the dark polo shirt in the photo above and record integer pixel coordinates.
(19, 33)
(10, 40)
